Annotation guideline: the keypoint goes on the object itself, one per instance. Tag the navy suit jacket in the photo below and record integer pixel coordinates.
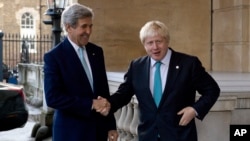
(186, 76)
(68, 91)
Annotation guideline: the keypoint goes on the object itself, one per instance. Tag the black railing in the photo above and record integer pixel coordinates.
(24, 49)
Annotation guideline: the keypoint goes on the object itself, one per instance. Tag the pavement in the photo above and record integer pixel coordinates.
(23, 133)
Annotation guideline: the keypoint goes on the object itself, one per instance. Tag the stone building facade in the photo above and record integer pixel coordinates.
(217, 31)
(24, 17)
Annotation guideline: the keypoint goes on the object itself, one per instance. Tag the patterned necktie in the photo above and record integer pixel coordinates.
(157, 84)
(86, 68)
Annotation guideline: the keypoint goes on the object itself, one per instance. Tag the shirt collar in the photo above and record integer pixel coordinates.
(75, 46)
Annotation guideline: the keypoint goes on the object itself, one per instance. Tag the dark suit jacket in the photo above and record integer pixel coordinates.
(185, 76)
(68, 91)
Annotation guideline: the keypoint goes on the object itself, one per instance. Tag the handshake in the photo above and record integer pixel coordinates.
(101, 105)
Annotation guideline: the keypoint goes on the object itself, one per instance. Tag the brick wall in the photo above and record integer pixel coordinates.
(10, 12)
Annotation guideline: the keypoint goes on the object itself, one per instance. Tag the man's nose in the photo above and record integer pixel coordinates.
(88, 30)
(154, 44)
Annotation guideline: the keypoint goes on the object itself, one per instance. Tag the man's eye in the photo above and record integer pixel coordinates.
(158, 41)
(149, 43)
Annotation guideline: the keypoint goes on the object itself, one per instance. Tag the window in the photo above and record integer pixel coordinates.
(28, 31)
(27, 21)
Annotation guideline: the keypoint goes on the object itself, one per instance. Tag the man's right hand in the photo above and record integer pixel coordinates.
(101, 105)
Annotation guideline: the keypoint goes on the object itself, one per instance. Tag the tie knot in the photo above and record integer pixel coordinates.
(158, 64)
(80, 53)
(79, 49)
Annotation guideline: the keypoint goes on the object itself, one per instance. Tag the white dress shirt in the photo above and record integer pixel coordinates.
(85, 55)
(164, 71)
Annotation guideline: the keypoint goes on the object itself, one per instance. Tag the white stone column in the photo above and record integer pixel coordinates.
(128, 121)
(134, 124)
(120, 124)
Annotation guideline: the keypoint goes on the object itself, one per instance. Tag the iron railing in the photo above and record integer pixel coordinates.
(24, 49)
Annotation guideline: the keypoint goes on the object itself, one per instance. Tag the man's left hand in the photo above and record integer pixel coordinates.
(188, 113)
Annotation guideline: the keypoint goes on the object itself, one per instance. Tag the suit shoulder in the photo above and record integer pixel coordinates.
(93, 47)
(184, 56)
(55, 49)
(140, 60)
(90, 44)
(61, 47)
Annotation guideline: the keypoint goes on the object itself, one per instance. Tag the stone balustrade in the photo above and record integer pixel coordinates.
(31, 77)
(232, 107)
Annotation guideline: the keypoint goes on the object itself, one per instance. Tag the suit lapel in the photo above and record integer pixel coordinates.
(149, 96)
(70, 52)
(173, 71)
(146, 69)
(91, 56)
(74, 61)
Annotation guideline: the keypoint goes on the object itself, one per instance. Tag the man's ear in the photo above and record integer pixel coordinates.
(68, 28)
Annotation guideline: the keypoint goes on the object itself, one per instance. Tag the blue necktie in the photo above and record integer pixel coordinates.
(157, 84)
(86, 68)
